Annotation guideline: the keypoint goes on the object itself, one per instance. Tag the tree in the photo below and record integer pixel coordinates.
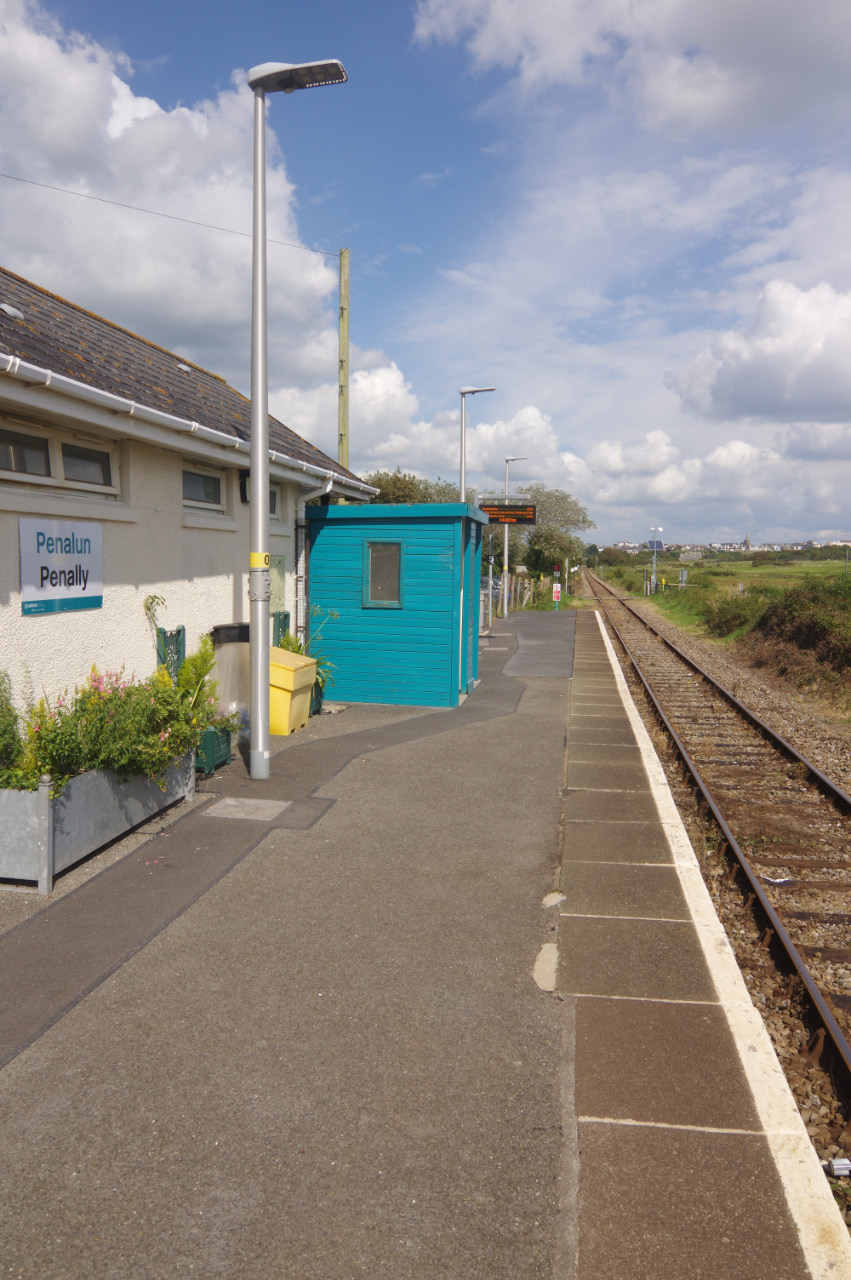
(554, 538)
(614, 555)
(405, 487)
(395, 486)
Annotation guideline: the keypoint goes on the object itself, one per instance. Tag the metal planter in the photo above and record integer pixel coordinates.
(40, 836)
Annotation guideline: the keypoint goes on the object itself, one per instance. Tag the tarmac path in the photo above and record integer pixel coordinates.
(311, 1046)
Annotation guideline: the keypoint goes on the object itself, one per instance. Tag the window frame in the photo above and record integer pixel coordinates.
(57, 478)
(368, 544)
(198, 504)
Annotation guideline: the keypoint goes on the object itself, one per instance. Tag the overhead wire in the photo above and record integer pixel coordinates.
(157, 213)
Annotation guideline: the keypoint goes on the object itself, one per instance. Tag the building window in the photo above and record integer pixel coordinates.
(202, 488)
(86, 466)
(383, 575)
(57, 459)
(275, 504)
(25, 455)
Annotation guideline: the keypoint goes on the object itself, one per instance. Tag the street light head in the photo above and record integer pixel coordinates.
(471, 391)
(517, 459)
(286, 77)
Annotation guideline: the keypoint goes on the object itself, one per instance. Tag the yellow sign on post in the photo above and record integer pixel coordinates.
(258, 559)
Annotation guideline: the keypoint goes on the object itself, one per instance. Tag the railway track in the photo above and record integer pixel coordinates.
(786, 825)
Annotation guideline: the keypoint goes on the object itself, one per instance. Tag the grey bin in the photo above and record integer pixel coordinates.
(232, 670)
(233, 661)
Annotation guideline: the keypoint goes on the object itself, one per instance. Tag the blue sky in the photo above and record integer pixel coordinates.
(632, 219)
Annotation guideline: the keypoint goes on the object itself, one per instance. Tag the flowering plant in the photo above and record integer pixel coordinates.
(112, 722)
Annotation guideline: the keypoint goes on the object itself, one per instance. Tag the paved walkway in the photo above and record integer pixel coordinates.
(309, 1044)
(309, 1047)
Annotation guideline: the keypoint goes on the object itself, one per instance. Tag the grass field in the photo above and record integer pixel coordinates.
(795, 617)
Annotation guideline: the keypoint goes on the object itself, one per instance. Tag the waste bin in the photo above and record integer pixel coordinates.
(233, 667)
(291, 677)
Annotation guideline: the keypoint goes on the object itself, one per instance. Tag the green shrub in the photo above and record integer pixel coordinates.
(129, 726)
(110, 723)
(10, 740)
(816, 616)
(193, 678)
(740, 611)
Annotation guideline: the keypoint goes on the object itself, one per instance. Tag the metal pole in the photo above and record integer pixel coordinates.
(490, 579)
(259, 578)
(505, 553)
(462, 486)
(462, 483)
(343, 404)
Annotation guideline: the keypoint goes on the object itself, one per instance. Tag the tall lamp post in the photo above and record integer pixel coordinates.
(505, 546)
(464, 392)
(653, 579)
(269, 77)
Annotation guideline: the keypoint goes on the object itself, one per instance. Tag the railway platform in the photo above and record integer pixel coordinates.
(444, 999)
(692, 1157)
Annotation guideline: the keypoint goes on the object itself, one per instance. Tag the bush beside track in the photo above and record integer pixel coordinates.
(802, 629)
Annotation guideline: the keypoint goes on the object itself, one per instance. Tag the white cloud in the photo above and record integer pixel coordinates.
(648, 456)
(425, 181)
(816, 441)
(71, 119)
(793, 364)
(688, 65)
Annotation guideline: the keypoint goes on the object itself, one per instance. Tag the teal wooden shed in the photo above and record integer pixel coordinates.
(403, 580)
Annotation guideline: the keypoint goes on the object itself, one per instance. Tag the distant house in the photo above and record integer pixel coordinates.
(123, 474)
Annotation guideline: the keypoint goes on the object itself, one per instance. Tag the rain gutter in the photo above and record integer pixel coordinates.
(35, 378)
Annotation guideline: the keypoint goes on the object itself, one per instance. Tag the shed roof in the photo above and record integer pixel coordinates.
(66, 339)
(397, 511)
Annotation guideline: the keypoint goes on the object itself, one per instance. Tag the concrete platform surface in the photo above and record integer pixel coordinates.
(302, 1038)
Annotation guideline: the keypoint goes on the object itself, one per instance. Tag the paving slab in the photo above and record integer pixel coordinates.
(625, 842)
(591, 732)
(647, 959)
(675, 1204)
(609, 889)
(684, 1050)
(582, 752)
(610, 806)
(606, 775)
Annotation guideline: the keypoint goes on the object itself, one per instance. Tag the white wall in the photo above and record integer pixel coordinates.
(152, 545)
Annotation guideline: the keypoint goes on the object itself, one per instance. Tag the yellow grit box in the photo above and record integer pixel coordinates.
(291, 678)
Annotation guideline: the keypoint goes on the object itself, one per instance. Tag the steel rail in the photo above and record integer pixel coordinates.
(837, 1037)
(834, 792)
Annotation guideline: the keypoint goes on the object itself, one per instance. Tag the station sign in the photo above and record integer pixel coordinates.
(509, 513)
(61, 565)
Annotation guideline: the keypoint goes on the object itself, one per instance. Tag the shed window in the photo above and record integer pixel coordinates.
(27, 454)
(87, 466)
(384, 573)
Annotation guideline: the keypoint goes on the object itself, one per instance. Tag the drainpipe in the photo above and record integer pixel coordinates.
(301, 557)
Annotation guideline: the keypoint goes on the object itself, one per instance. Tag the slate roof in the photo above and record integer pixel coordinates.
(64, 338)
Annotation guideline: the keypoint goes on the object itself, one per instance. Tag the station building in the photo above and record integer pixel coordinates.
(123, 475)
